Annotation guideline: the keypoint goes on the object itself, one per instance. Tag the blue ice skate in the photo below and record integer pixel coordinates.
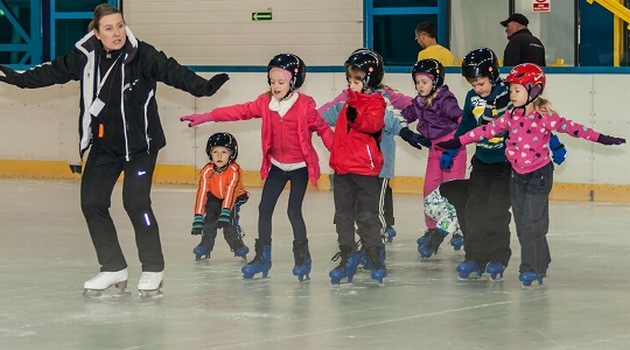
(495, 270)
(347, 267)
(376, 259)
(390, 233)
(431, 245)
(260, 263)
(425, 238)
(302, 257)
(527, 278)
(466, 268)
(241, 251)
(457, 241)
(203, 249)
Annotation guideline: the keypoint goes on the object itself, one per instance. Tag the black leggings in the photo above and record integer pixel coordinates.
(274, 184)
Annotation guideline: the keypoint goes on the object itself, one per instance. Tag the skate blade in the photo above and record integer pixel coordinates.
(92, 294)
(304, 278)
(148, 295)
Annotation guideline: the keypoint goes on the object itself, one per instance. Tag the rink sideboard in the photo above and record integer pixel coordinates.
(39, 138)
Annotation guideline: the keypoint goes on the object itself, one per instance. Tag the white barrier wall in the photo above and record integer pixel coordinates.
(42, 124)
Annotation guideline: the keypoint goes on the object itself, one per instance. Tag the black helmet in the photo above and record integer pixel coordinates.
(291, 63)
(223, 139)
(371, 63)
(481, 63)
(429, 66)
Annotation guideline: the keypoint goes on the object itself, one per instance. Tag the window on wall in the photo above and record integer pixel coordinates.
(390, 27)
(16, 32)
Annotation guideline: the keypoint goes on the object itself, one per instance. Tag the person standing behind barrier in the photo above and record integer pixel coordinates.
(119, 120)
(425, 36)
(289, 119)
(523, 46)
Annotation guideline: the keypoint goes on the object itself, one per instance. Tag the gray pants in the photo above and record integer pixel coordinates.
(529, 194)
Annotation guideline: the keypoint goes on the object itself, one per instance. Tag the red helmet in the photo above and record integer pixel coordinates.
(531, 76)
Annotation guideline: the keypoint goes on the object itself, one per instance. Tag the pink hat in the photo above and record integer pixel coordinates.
(428, 75)
(286, 73)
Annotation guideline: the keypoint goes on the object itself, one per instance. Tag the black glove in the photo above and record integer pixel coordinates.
(446, 159)
(558, 152)
(452, 143)
(351, 113)
(214, 83)
(610, 140)
(225, 218)
(8, 73)
(414, 139)
(197, 225)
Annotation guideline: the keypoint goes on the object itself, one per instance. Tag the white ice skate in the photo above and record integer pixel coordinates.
(150, 284)
(95, 286)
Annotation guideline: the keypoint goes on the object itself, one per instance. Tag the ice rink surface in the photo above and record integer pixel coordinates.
(46, 256)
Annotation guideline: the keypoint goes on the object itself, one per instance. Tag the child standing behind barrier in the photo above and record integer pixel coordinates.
(528, 126)
(437, 112)
(288, 118)
(219, 197)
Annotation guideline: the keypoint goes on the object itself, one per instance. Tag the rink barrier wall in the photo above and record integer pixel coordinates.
(188, 176)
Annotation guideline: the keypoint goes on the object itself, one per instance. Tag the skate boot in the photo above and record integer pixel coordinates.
(96, 285)
(457, 241)
(302, 257)
(466, 268)
(367, 264)
(433, 243)
(203, 249)
(390, 233)
(347, 267)
(495, 270)
(240, 250)
(376, 257)
(260, 263)
(150, 284)
(425, 238)
(527, 278)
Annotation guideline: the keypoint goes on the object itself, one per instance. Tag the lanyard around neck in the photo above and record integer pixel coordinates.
(100, 82)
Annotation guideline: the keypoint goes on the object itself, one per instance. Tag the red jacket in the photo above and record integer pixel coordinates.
(226, 185)
(356, 144)
(308, 121)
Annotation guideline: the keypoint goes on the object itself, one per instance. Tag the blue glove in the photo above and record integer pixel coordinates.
(558, 152)
(414, 139)
(197, 225)
(446, 159)
(225, 218)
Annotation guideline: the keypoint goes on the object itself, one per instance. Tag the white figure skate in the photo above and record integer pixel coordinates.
(95, 286)
(150, 284)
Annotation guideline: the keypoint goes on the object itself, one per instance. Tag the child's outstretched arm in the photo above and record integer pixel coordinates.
(197, 119)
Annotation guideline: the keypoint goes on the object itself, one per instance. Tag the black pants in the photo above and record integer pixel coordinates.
(274, 184)
(386, 202)
(456, 193)
(530, 204)
(487, 213)
(350, 190)
(213, 210)
(102, 170)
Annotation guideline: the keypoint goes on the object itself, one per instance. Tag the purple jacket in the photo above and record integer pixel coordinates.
(438, 119)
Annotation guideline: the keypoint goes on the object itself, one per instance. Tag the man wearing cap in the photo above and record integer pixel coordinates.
(522, 47)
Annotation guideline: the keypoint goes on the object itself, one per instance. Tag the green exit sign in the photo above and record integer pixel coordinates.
(261, 16)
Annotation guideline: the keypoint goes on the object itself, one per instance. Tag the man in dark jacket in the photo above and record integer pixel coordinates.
(522, 47)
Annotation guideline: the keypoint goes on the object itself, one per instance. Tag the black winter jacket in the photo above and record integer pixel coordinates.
(524, 47)
(142, 67)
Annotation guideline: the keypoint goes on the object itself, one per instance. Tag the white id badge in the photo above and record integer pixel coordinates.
(96, 107)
